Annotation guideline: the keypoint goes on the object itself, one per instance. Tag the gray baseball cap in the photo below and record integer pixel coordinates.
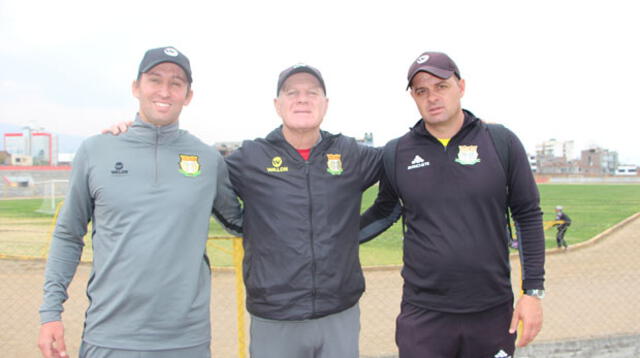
(298, 68)
(435, 63)
(160, 55)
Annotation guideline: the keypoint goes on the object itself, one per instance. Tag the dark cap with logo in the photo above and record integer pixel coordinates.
(160, 55)
(435, 63)
(300, 68)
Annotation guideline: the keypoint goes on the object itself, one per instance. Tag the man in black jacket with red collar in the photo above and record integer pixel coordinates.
(302, 189)
(457, 297)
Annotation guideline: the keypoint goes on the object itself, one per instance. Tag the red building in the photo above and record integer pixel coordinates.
(40, 146)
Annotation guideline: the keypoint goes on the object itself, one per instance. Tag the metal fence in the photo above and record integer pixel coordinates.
(593, 291)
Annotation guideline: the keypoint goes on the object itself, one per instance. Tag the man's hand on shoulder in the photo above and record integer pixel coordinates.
(118, 128)
(51, 340)
(529, 311)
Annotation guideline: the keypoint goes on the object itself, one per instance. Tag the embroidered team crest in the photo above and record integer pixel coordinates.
(334, 164)
(189, 165)
(467, 154)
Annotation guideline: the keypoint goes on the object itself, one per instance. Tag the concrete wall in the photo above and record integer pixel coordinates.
(36, 180)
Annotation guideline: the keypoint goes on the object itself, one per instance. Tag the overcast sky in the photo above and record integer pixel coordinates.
(546, 69)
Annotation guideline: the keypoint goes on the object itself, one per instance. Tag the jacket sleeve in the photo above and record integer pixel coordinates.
(226, 206)
(234, 163)
(66, 244)
(524, 202)
(370, 160)
(384, 212)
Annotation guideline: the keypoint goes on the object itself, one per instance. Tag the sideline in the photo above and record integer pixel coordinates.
(594, 240)
(551, 251)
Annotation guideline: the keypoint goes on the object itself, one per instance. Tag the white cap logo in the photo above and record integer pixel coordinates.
(170, 51)
(422, 59)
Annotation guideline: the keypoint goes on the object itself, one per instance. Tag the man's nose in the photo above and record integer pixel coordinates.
(432, 96)
(302, 98)
(164, 90)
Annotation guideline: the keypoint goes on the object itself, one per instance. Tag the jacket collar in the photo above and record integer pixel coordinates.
(277, 138)
(469, 120)
(151, 134)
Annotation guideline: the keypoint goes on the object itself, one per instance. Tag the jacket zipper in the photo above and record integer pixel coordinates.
(313, 253)
(156, 159)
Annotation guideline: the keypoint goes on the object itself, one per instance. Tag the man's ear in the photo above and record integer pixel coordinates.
(135, 89)
(189, 97)
(462, 86)
(275, 105)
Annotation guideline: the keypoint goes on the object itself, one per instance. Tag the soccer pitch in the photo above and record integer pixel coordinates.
(593, 209)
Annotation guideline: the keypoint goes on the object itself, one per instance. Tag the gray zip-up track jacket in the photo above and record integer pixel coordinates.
(149, 194)
(301, 224)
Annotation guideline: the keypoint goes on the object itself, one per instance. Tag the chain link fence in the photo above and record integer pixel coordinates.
(592, 293)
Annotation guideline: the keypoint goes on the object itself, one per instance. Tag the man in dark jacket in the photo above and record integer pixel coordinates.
(562, 227)
(457, 297)
(302, 190)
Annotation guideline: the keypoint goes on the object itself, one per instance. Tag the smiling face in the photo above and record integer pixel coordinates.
(301, 103)
(162, 92)
(438, 99)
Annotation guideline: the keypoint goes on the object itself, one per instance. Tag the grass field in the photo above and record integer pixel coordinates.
(593, 209)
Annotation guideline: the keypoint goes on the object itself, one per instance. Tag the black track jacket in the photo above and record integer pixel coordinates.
(455, 248)
(301, 223)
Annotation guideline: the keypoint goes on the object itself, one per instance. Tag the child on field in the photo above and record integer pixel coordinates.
(563, 225)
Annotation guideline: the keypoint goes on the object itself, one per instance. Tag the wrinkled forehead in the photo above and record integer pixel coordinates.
(301, 79)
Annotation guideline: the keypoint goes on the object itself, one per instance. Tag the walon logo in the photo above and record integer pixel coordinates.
(119, 169)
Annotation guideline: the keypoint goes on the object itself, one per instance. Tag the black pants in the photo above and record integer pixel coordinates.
(562, 229)
(422, 333)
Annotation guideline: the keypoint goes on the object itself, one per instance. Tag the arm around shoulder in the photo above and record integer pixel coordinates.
(384, 212)
(226, 206)
(371, 167)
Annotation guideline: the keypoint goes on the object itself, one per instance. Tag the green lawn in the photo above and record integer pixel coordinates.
(16, 215)
(593, 209)
(22, 209)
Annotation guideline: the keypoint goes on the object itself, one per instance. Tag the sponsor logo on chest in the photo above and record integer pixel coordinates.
(276, 166)
(502, 354)
(119, 170)
(417, 163)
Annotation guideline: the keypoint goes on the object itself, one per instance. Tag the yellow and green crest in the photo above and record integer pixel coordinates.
(189, 165)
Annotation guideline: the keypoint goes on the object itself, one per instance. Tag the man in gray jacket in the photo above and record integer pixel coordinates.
(149, 194)
(302, 189)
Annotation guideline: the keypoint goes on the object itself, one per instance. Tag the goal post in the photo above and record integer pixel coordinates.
(52, 191)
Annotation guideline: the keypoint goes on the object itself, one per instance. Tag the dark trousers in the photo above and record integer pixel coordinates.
(562, 229)
(422, 333)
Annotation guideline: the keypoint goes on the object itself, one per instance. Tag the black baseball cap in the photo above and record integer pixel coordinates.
(298, 68)
(435, 63)
(160, 55)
